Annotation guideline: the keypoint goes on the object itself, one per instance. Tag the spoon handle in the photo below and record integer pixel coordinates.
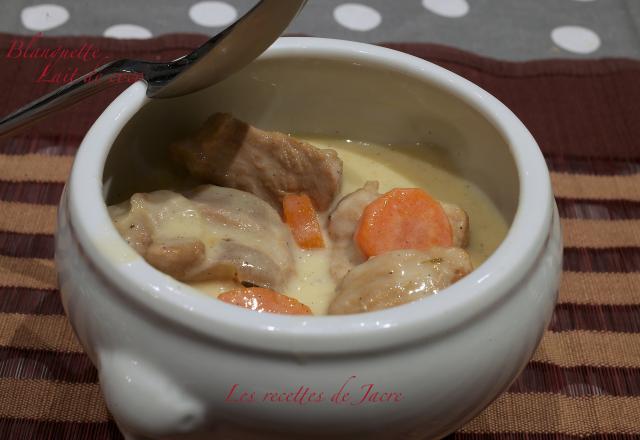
(72, 92)
(220, 56)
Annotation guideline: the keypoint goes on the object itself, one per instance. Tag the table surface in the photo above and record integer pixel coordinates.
(583, 381)
(506, 29)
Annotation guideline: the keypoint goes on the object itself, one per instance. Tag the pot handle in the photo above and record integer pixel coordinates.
(144, 401)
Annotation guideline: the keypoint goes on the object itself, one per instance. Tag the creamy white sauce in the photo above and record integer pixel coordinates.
(394, 166)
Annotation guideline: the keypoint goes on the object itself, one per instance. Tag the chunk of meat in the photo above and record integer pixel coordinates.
(231, 260)
(264, 300)
(228, 152)
(399, 277)
(459, 221)
(342, 225)
(175, 256)
(210, 233)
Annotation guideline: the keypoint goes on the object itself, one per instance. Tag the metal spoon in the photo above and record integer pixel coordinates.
(216, 59)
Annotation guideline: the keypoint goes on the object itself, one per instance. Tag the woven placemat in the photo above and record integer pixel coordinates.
(584, 380)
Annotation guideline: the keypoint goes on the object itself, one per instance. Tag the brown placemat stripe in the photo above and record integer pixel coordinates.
(599, 288)
(601, 209)
(55, 168)
(38, 332)
(27, 218)
(622, 318)
(538, 377)
(598, 209)
(598, 349)
(22, 363)
(536, 436)
(25, 146)
(37, 146)
(591, 165)
(584, 186)
(52, 168)
(50, 193)
(35, 168)
(46, 400)
(600, 233)
(620, 260)
(511, 412)
(557, 413)
(567, 317)
(33, 429)
(14, 244)
(605, 318)
(19, 237)
(35, 273)
(591, 348)
(575, 287)
(31, 192)
(30, 301)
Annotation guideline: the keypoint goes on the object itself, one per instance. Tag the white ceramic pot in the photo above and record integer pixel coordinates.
(176, 364)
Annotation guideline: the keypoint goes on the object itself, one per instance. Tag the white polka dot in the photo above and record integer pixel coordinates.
(123, 31)
(43, 17)
(357, 17)
(213, 14)
(447, 8)
(576, 39)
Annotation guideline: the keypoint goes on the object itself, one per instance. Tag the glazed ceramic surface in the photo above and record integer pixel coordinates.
(176, 364)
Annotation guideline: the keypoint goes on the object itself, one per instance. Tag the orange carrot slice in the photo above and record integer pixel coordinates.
(403, 218)
(264, 300)
(301, 217)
